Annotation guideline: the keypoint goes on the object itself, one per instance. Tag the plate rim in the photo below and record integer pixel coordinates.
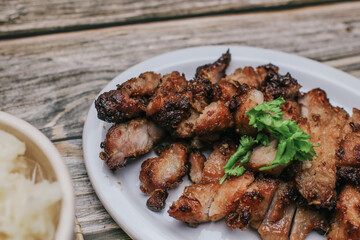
(211, 49)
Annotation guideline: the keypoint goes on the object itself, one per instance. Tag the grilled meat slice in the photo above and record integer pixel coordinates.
(264, 70)
(348, 175)
(209, 201)
(306, 219)
(316, 179)
(215, 118)
(164, 172)
(276, 225)
(129, 100)
(156, 201)
(214, 166)
(246, 101)
(129, 140)
(348, 153)
(194, 205)
(253, 204)
(346, 224)
(355, 120)
(197, 160)
(214, 71)
(291, 110)
(170, 104)
(186, 128)
(229, 193)
(246, 75)
(263, 156)
(276, 85)
(202, 91)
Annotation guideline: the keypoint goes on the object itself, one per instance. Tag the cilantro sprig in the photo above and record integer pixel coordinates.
(293, 142)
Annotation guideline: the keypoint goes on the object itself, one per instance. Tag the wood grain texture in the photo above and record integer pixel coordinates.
(19, 17)
(51, 81)
(59, 75)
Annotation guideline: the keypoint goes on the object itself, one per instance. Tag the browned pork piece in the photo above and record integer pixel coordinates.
(128, 140)
(348, 153)
(346, 225)
(306, 219)
(316, 179)
(276, 85)
(264, 70)
(194, 204)
(159, 174)
(214, 71)
(170, 103)
(214, 167)
(263, 156)
(129, 100)
(203, 92)
(185, 129)
(247, 75)
(215, 119)
(276, 225)
(246, 101)
(253, 205)
(229, 193)
(196, 160)
(209, 201)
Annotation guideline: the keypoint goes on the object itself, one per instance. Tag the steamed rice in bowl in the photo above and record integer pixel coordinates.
(29, 201)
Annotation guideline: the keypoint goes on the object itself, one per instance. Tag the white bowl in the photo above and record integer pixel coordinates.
(40, 149)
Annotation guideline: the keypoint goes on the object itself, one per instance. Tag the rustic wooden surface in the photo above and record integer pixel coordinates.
(23, 17)
(51, 80)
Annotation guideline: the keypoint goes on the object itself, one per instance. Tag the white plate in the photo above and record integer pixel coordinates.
(119, 191)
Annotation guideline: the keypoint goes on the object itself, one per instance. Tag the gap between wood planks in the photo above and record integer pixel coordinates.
(250, 9)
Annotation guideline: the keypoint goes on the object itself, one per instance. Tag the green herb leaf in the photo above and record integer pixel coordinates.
(246, 143)
(293, 142)
(237, 171)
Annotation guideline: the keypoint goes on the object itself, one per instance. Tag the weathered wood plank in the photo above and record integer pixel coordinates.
(52, 80)
(91, 215)
(21, 17)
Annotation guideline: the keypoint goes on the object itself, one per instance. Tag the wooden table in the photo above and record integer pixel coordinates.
(55, 57)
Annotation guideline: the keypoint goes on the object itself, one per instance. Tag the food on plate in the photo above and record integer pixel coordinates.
(29, 203)
(128, 140)
(253, 204)
(282, 161)
(346, 222)
(160, 174)
(196, 162)
(277, 222)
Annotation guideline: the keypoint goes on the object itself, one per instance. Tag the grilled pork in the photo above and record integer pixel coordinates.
(170, 103)
(215, 118)
(197, 161)
(246, 101)
(214, 167)
(346, 225)
(253, 205)
(128, 140)
(276, 85)
(276, 225)
(228, 195)
(214, 71)
(163, 173)
(129, 100)
(306, 219)
(316, 179)
(194, 204)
